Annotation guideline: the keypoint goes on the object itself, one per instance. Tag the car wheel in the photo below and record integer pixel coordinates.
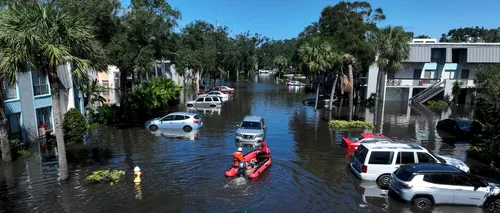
(494, 205)
(153, 127)
(383, 181)
(422, 203)
(187, 129)
(190, 105)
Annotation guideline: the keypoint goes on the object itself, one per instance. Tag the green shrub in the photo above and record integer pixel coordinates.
(74, 126)
(105, 176)
(18, 150)
(105, 114)
(440, 105)
(480, 153)
(350, 125)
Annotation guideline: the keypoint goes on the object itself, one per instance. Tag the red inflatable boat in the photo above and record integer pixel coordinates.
(257, 169)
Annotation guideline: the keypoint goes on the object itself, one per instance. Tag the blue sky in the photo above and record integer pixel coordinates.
(283, 19)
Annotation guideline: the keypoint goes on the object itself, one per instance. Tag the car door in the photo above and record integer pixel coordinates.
(466, 193)
(381, 162)
(166, 122)
(423, 157)
(208, 101)
(442, 187)
(179, 121)
(404, 157)
(199, 102)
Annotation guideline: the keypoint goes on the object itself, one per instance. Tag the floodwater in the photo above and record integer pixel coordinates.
(185, 172)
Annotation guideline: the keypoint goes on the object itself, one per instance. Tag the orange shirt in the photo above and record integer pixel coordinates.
(237, 158)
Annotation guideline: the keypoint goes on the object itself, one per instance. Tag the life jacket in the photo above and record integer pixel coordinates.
(237, 158)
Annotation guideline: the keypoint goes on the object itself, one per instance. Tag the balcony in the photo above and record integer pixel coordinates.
(466, 83)
(406, 82)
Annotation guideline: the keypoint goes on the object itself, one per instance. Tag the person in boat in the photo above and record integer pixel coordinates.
(238, 157)
(264, 152)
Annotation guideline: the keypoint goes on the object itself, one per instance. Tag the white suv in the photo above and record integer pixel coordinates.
(377, 161)
(426, 184)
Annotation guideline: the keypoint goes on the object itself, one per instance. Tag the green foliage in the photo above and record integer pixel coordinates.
(393, 46)
(74, 126)
(456, 90)
(105, 176)
(151, 96)
(439, 105)
(487, 112)
(350, 125)
(471, 34)
(18, 150)
(317, 55)
(105, 114)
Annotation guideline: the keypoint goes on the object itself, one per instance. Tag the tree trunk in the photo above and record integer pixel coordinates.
(4, 136)
(351, 93)
(124, 91)
(56, 113)
(332, 93)
(317, 96)
(377, 89)
(197, 82)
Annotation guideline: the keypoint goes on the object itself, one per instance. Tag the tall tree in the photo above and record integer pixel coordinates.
(4, 137)
(144, 35)
(281, 63)
(317, 55)
(349, 61)
(422, 36)
(472, 34)
(41, 37)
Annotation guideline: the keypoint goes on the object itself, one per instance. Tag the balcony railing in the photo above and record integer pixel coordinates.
(41, 89)
(467, 83)
(410, 82)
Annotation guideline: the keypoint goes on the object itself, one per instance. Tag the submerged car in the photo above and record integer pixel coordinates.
(458, 127)
(354, 142)
(177, 120)
(251, 131)
(224, 96)
(211, 101)
(323, 100)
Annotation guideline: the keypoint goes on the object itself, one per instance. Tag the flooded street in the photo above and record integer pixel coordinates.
(185, 173)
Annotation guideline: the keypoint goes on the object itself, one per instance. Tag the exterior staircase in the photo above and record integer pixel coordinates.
(428, 93)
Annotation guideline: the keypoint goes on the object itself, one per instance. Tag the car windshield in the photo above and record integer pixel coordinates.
(250, 125)
(439, 158)
(357, 138)
(465, 125)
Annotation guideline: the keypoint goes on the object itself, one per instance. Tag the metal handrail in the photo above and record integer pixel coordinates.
(427, 90)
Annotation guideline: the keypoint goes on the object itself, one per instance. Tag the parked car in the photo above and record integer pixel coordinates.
(205, 102)
(227, 89)
(323, 100)
(224, 96)
(354, 142)
(373, 161)
(177, 120)
(251, 131)
(458, 127)
(295, 83)
(425, 185)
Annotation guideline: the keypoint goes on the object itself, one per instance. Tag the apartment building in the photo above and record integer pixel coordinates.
(28, 103)
(110, 80)
(432, 69)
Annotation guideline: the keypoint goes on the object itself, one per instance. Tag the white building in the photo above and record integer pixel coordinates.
(432, 69)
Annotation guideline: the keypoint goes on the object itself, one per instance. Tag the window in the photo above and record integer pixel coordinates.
(464, 74)
(10, 91)
(405, 158)
(168, 118)
(461, 180)
(14, 126)
(381, 158)
(196, 117)
(105, 83)
(215, 98)
(40, 84)
(199, 100)
(361, 153)
(425, 158)
(180, 117)
(43, 116)
(438, 179)
(404, 175)
(357, 138)
(250, 125)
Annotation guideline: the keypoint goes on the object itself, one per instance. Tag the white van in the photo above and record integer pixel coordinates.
(375, 161)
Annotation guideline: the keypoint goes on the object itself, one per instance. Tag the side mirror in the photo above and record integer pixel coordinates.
(237, 125)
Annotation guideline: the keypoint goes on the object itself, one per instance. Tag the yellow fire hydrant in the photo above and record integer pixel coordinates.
(137, 175)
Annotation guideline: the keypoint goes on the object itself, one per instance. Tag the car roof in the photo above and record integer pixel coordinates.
(430, 168)
(370, 134)
(393, 146)
(252, 118)
(183, 113)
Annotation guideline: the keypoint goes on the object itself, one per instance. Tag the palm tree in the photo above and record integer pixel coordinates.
(317, 55)
(280, 62)
(349, 60)
(393, 46)
(4, 137)
(41, 37)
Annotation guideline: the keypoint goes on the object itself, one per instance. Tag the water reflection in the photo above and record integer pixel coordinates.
(206, 111)
(183, 174)
(177, 134)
